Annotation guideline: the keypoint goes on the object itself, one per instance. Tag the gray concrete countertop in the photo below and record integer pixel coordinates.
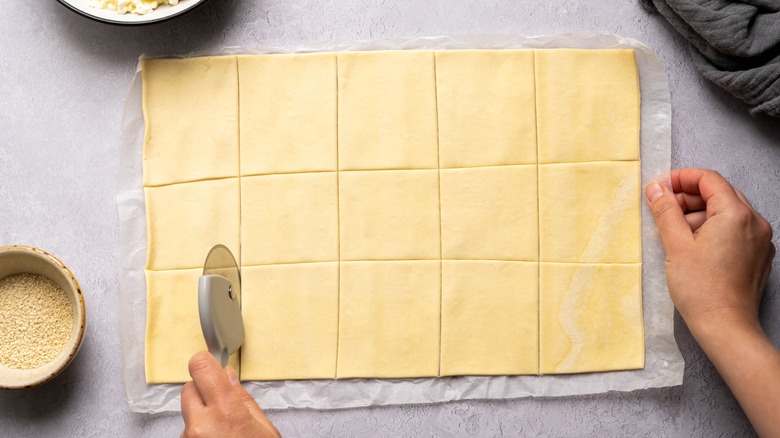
(63, 81)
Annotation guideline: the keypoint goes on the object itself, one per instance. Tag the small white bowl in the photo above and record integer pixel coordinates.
(18, 259)
(162, 13)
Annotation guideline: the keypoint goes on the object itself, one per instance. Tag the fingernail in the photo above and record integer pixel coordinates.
(653, 192)
(232, 376)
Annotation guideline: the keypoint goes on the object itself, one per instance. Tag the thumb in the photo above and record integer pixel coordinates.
(669, 217)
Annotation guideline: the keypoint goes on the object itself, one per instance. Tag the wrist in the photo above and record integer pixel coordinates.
(715, 330)
(720, 314)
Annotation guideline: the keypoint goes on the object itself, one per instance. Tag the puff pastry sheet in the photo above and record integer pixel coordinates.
(399, 214)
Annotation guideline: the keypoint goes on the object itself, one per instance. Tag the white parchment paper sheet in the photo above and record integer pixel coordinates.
(663, 362)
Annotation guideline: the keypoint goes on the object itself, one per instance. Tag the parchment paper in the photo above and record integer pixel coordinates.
(663, 362)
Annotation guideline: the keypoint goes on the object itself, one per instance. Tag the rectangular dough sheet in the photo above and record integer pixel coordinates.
(399, 214)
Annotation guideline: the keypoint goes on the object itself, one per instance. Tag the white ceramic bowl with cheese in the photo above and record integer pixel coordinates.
(161, 13)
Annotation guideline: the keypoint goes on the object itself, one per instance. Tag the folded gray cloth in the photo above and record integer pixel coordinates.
(734, 43)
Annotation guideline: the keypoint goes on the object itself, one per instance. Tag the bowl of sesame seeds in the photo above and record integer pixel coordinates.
(42, 317)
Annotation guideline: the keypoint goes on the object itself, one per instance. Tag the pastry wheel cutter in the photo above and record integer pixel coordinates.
(219, 304)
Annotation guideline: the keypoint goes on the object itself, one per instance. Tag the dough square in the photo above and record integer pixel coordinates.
(590, 212)
(489, 213)
(184, 221)
(191, 119)
(289, 218)
(486, 105)
(291, 321)
(288, 113)
(587, 105)
(591, 317)
(173, 332)
(387, 110)
(489, 321)
(389, 319)
(389, 215)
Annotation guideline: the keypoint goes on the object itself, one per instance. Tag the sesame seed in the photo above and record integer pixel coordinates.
(35, 320)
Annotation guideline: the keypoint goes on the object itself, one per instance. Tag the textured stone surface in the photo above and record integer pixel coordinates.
(63, 80)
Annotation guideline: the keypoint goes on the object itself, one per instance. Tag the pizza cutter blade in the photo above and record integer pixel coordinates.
(219, 304)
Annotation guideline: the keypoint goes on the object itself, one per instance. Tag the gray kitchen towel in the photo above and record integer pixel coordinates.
(734, 43)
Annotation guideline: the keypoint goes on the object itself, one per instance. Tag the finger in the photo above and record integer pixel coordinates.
(714, 190)
(742, 198)
(191, 402)
(768, 263)
(689, 180)
(689, 202)
(249, 402)
(669, 217)
(696, 219)
(209, 378)
(745, 201)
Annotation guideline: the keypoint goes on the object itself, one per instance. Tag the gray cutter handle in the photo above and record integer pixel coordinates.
(220, 317)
